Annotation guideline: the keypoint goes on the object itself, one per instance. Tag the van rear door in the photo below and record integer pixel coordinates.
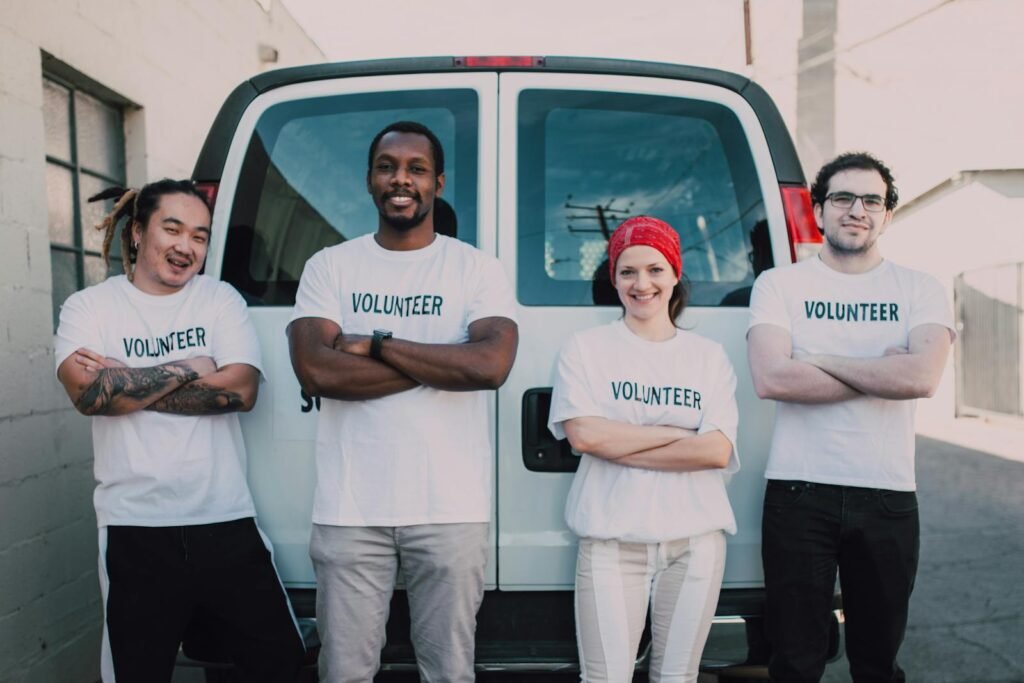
(579, 153)
(294, 182)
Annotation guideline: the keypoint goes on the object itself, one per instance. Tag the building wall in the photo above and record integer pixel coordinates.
(970, 226)
(177, 61)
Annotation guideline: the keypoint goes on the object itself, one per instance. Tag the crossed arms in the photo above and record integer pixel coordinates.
(98, 385)
(653, 447)
(331, 364)
(899, 374)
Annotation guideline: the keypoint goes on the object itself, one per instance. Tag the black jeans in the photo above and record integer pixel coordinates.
(162, 577)
(872, 537)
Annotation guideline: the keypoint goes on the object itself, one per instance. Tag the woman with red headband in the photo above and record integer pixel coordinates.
(652, 409)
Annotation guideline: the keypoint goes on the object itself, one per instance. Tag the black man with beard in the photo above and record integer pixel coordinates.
(401, 333)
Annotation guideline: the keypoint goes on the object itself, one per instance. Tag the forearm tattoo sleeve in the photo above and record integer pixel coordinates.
(135, 384)
(198, 399)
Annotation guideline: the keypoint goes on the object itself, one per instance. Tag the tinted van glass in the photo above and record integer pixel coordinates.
(588, 160)
(302, 185)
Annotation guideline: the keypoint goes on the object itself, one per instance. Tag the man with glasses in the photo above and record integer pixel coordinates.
(844, 342)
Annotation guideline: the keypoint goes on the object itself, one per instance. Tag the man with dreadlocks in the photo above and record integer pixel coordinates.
(163, 358)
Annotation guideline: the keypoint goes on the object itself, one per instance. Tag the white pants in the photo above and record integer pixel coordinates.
(615, 582)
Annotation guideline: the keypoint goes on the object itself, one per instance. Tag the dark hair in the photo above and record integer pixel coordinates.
(417, 129)
(138, 206)
(680, 297)
(854, 160)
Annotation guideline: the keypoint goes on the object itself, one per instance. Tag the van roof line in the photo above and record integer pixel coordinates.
(210, 163)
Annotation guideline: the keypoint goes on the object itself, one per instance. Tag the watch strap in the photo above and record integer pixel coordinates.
(377, 343)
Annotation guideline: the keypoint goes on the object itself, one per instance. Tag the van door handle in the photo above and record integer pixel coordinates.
(542, 452)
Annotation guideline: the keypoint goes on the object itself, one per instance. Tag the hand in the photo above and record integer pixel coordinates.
(94, 362)
(202, 365)
(685, 433)
(809, 358)
(356, 344)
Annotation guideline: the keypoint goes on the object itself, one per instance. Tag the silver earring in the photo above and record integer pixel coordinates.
(135, 246)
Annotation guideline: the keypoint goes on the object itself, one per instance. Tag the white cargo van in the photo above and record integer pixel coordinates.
(544, 157)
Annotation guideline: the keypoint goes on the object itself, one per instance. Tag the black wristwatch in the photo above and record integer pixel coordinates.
(378, 341)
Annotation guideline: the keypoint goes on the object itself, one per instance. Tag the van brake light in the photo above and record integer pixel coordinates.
(209, 190)
(498, 61)
(804, 236)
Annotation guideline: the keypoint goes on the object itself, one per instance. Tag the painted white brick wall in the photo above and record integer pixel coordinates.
(50, 611)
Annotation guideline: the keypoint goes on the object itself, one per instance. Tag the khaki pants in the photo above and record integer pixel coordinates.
(356, 569)
(615, 583)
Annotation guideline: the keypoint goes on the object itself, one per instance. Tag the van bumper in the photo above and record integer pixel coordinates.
(534, 631)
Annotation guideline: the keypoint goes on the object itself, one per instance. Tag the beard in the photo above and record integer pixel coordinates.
(403, 223)
(844, 249)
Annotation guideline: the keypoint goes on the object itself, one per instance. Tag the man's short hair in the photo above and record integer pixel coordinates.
(854, 160)
(410, 127)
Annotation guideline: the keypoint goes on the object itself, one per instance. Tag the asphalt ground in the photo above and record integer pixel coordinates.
(967, 611)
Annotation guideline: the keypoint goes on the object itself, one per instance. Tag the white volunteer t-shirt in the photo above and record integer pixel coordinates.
(865, 441)
(159, 469)
(687, 382)
(421, 456)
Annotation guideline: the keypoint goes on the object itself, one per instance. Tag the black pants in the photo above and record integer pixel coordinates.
(163, 577)
(872, 537)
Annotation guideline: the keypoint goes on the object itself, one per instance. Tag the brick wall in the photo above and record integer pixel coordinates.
(177, 60)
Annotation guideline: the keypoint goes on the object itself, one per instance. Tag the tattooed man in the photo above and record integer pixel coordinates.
(163, 358)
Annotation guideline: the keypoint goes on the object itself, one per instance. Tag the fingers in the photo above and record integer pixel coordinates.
(88, 360)
(91, 355)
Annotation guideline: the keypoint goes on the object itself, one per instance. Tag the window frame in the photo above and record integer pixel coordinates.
(484, 83)
(536, 106)
(77, 169)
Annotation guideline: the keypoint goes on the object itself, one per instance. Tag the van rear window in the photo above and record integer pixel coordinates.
(302, 185)
(589, 160)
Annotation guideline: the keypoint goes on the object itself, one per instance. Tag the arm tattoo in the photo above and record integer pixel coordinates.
(198, 399)
(131, 383)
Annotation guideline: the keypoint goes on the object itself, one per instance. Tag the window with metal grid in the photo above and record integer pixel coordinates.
(85, 153)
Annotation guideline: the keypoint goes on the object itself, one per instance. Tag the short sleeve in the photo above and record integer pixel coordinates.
(234, 337)
(720, 411)
(493, 294)
(77, 329)
(571, 396)
(318, 295)
(767, 304)
(931, 305)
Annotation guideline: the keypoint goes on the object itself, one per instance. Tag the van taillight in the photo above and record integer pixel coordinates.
(209, 190)
(804, 236)
(493, 62)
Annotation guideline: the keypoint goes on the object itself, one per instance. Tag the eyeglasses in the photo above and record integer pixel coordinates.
(844, 200)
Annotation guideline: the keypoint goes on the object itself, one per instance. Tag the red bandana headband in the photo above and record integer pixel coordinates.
(647, 231)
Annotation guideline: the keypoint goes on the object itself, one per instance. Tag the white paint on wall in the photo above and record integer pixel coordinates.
(177, 61)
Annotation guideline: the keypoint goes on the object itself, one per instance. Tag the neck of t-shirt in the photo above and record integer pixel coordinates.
(414, 239)
(375, 249)
(653, 330)
(162, 299)
(850, 264)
